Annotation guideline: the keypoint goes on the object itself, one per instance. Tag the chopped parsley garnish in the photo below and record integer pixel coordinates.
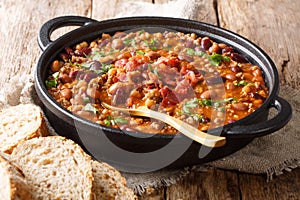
(106, 68)
(53, 82)
(215, 59)
(86, 65)
(152, 43)
(89, 107)
(129, 42)
(140, 52)
(192, 52)
(86, 100)
(141, 32)
(120, 120)
(189, 106)
(103, 69)
(242, 83)
(97, 55)
(107, 122)
(154, 71)
(112, 121)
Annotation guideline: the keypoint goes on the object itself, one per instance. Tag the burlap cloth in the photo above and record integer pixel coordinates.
(271, 155)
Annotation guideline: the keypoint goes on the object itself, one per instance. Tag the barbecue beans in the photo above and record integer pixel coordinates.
(183, 75)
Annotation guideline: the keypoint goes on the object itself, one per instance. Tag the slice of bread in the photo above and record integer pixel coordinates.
(12, 182)
(109, 184)
(55, 168)
(19, 123)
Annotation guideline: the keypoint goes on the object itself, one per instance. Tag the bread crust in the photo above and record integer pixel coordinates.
(20, 123)
(16, 187)
(109, 184)
(55, 168)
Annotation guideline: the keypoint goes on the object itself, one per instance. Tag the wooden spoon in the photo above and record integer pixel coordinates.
(186, 129)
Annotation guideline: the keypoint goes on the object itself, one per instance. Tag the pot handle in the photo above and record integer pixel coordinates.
(263, 128)
(55, 23)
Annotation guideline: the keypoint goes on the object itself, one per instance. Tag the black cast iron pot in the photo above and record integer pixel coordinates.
(141, 152)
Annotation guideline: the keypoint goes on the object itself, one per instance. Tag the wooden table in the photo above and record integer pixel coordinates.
(273, 25)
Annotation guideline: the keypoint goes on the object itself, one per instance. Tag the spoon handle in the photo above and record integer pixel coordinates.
(185, 128)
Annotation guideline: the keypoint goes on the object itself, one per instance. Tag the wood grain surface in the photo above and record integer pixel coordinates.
(273, 25)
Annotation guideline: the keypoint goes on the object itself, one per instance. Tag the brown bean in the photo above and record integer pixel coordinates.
(117, 44)
(69, 51)
(86, 114)
(206, 43)
(189, 44)
(65, 57)
(89, 76)
(227, 50)
(126, 55)
(236, 69)
(246, 89)
(222, 45)
(214, 48)
(152, 55)
(83, 52)
(205, 95)
(238, 58)
(240, 106)
(66, 93)
(65, 78)
(231, 77)
(56, 65)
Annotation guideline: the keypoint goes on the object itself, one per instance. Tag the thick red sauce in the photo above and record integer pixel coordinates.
(192, 78)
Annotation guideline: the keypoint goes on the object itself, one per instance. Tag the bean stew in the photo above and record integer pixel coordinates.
(192, 78)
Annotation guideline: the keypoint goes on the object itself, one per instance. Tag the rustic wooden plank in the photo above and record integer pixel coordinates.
(284, 187)
(273, 26)
(20, 22)
(106, 9)
(213, 184)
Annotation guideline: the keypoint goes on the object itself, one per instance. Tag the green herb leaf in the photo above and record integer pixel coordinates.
(107, 122)
(129, 42)
(190, 52)
(189, 105)
(140, 52)
(151, 43)
(53, 82)
(154, 71)
(86, 100)
(97, 55)
(89, 107)
(215, 59)
(120, 120)
(240, 83)
(86, 65)
(206, 102)
(197, 117)
(141, 32)
(106, 68)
